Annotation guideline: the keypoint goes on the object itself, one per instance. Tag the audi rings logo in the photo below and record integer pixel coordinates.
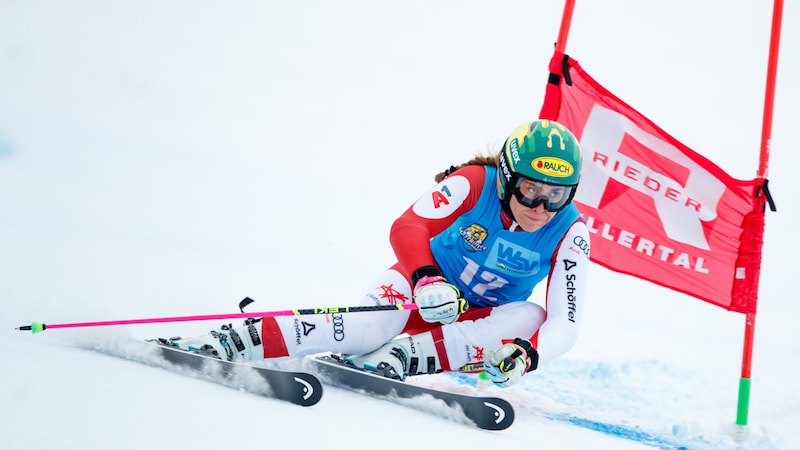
(338, 327)
(582, 244)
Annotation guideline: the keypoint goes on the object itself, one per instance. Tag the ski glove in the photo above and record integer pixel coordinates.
(438, 300)
(508, 364)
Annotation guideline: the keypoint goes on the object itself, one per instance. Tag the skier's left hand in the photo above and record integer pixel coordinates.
(507, 365)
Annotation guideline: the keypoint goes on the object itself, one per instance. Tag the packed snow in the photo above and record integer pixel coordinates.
(170, 158)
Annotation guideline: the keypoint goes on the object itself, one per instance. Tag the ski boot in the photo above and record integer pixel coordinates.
(240, 344)
(401, 357)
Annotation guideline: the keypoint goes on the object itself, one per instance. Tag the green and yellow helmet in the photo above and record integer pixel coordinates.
(543, 152)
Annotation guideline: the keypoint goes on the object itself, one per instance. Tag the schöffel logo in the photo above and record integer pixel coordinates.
(308, 328)
(554, 167)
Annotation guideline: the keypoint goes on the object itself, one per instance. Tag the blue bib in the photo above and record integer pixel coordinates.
(490, 264)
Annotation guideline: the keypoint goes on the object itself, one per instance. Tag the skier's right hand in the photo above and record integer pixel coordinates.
(438, 300)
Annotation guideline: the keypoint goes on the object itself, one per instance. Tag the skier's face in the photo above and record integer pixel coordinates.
(532, 193)
(530, 219)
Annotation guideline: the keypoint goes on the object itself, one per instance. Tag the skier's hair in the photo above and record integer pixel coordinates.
(478, 160)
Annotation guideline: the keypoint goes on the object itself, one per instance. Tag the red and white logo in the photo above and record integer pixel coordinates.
(656, 209)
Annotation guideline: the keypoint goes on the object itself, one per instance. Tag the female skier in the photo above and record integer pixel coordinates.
(469, 254)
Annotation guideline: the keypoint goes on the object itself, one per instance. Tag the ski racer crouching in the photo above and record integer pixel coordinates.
(469, 253)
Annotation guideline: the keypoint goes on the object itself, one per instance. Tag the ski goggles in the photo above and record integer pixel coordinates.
(554, 197)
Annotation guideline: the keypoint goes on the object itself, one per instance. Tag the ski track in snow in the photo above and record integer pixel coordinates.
(624, 401)
(611, 399)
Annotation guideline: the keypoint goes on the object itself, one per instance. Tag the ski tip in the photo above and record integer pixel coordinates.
(34, 327)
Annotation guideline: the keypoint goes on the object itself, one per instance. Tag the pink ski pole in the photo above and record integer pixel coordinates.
(37, 327)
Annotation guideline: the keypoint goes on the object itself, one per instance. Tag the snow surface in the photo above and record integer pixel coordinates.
(170, 158)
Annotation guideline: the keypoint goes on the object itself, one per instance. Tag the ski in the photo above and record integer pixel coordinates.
(489, 413)
(300, 388)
